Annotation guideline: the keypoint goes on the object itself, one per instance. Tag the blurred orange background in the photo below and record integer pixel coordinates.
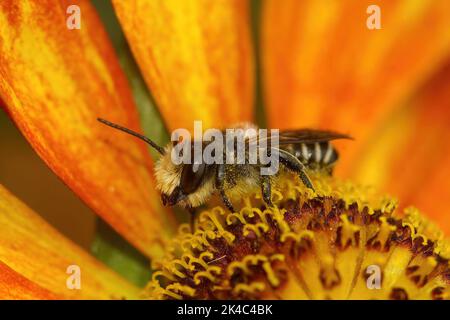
(29, 178)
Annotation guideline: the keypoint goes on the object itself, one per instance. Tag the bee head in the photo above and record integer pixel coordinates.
(180, 184)
(184, 184)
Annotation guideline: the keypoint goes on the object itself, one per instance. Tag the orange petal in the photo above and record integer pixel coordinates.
(324, 68)
(14, 286)
(55, 82)
(196, 58)
(34, 259)
(411, 155)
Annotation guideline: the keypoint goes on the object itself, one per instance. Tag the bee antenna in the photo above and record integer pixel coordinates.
(133, 133)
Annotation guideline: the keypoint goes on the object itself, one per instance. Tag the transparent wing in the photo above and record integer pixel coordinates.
(304, 136)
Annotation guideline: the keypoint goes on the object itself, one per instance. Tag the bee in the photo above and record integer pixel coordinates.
(191, 185)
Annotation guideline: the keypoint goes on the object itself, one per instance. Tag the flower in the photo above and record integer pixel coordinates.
(318, 65)
(310, 245)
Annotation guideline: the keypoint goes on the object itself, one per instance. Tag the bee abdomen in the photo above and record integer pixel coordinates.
(319, 153)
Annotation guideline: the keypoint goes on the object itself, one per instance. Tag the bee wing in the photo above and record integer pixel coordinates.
(309, 136)
(305, 136)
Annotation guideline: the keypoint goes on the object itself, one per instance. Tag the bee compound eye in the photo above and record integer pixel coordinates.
(191, 177)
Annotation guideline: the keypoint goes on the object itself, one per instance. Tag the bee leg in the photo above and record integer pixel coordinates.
(220, 179)
(192, 213)
(226, 201)
(293, 164)
(266, 190)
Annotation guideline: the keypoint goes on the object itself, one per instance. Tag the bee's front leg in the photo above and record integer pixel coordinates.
(220, 180)
(192, 213)
(266, 190)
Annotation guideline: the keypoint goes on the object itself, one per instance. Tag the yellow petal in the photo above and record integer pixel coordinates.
(324, 68)
(411, 155)
(37, 252)
(195, 56)
(55, 82)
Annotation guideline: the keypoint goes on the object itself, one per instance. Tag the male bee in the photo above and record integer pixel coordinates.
(191, 185)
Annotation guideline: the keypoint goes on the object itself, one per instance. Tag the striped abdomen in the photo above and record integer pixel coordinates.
(314, 155)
